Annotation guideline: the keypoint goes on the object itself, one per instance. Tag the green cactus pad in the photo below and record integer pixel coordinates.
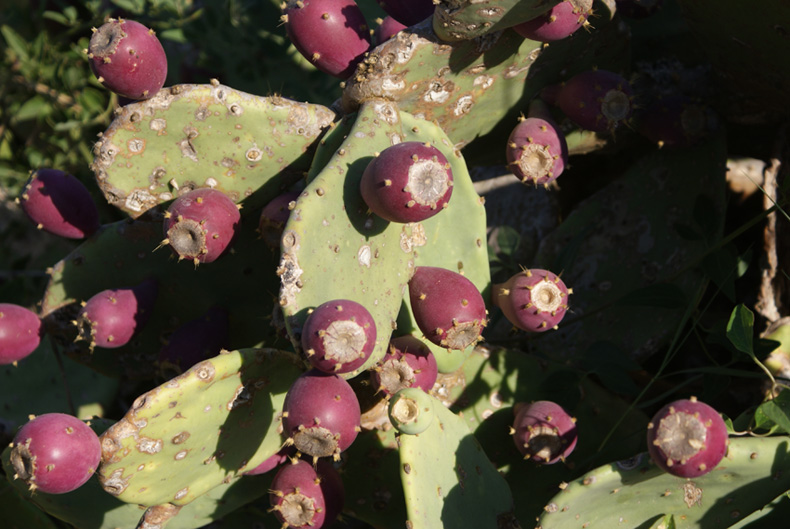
(90, 507)
(190, 136)
(466, 19)
(208, 425)
(635, 493)
(18, 512)
(477, 88)
(448, 481)
(124, 254)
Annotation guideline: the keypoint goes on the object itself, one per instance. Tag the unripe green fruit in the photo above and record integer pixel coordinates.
(411, 411)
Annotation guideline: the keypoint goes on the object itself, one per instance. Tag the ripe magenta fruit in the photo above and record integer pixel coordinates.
(305, 496)
(536, 149)
(196, 340)
(201, 224)
(674, 121)
(273, 217)
(321, 413)
(387, 29)
(409, 363)
(596, 100)
(407, 182)
(128, 59)
(110, 318)
(59, 203)
(272, 462)
(447, 307)
(408, 12)
(20, 332)
(533, 300)
(544, 432)
(55, 453)
(332, 34)
(687, 438)
(338, 336)
(557, 23)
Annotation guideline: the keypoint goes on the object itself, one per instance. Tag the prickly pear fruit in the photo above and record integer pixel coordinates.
(128, 59)
(596, 100)
(533, 300)
(272, 462)
(273, 217)
(687, 438)
(304, 496)
(55, 453)
(674, 121)
(20, 332)
(536, 149)
(407, 182)
(557, 23)
(332, 34)
(201, 224)
(59, 203)
(387, 29)
(110, 318)
(411, 411)
(321, 413)
(338, 336)
(408, 12)
(409, 363)
(544, 432)
(447, 307)
(195, 341)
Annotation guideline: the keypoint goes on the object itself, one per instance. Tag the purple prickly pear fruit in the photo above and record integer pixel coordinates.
(557, 23)
(59, 203)
(332, 34)
(407, 182)
(408, 12)
(338, 336)
(596, 100)
(536, 149)
(674, 121)
(128, 59)
(273, 217)
(687, 438)
(112, 317)
(20, 332)
(321, 413)
(447, 307)
(637, 9)
(273, 462)
(533, 300)
(196, 340)
(409, 363)
(200, 225)
(544, 432)
(55, 453)
(304, 496)
(386, 29)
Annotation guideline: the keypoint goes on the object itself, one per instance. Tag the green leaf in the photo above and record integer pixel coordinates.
(740, 329)
(663, 295)
(15, 42)
(60, 18)
(776, 412)
(34, 107)
(508, 240)
(173, 34)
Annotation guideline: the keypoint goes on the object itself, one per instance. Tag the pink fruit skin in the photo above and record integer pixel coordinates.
(675, 121)
(322, 484)
(447, 307)
(327, 398)
(387, 182)
(387, 29)
(715, 443)
(115, 315)
(196, 340)
(332, 34)
(20, 333)
(546, 136)
(419, 358)
(272, 462)
(515, 298)
(128, 59)
(59, 203)
(408, 12)
(206, 210)
(547, 416)
(596, 100)
(325, 323)
(560, 22)
(66, 443)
